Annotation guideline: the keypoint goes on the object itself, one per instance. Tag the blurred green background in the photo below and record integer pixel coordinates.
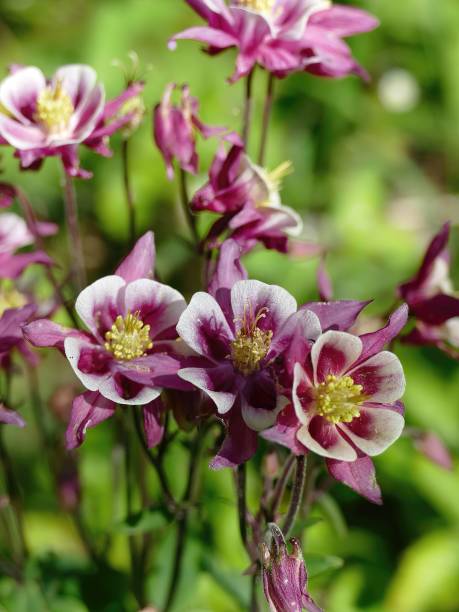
(377, 172)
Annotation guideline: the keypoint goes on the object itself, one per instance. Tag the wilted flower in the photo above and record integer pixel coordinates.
(282, 36)
(130, 352)
(432, 300)
(42, 118)
(248, 197)
(241, 331)
(285, 578)
(175, 129)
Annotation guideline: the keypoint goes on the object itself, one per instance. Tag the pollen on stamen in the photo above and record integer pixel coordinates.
(338, 399)
(54, 108)
(251, 344)
(260, 6)
(128, 338)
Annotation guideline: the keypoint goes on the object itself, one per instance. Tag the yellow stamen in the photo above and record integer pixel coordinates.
(251, 344)
(277, 175)
(10, 297)
(128, 338)
(338, 398)
(54, 108)
(260, 6)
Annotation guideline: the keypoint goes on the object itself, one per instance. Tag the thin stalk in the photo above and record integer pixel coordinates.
(266, 118)
(280, 487)
(171, 502)
(188, 501)
(248, 108)
(241, 485)
(128, 190)
(254, 607)
(32, 224)
(185, 200)
(74, 235)
(297, 494)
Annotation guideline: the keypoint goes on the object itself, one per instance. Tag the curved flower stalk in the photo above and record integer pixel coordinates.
(175, 128)
(345, 396)
(285, 577)
(432, 299)
(248, 198)
(42, 117)
(129, 353)
(282, 36)
(241, 332)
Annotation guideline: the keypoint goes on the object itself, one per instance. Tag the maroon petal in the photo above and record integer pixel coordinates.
(374, 342)
(359, 475)
(436, 310)
(340, 315)
(89, 409)
(239, 445)
(152, 422)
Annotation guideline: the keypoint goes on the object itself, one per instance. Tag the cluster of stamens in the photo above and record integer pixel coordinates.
(251, 344)
(338, 399)
(128, 338)
(54, 108)
(261, 6)
(11, 298)
(274, 179)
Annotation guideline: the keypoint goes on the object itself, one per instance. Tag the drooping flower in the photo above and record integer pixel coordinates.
(241, 333)
(175, 129)
(282, 36)
(285, 578)
(432, 299)
(42, 118)
(248, 197)
(129, 352)
(345, 396)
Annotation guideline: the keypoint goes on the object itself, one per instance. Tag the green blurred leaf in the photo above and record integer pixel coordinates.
(318, 564)
(142, 522)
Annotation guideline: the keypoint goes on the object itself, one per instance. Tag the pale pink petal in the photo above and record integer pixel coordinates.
(381, 377)
(302, 394)
(21, 136)
(90, 362)
(216, 382)
(19, 93)
(323, 438)
(333, 353)
(210, 36)
(375, 430)
(99, 304)
(115, 390)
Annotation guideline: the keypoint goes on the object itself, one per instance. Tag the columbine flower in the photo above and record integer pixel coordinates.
(432, 299)
(241, 333)
(285, 578)
(248, 197)
(282, 36)
(324, 51)
(129, 352)
(42, 118)
(175, 128)
(14, 235)
(344, 398)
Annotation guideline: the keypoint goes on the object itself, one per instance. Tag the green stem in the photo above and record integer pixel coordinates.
(280, 487)
(297, 494)
(185, 199)
(128, 190)
(248, 108)
(266, 118)
(241, 487)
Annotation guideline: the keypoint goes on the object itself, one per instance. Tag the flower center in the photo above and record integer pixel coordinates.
(251, 344)
(54, 108)
(338, 399)
(128, 338)
(11, 298)
(273, 180)
(259, 6)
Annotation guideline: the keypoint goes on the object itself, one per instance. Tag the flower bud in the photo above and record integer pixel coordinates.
(284, 575)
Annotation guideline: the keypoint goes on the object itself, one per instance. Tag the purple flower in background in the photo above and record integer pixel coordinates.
(175, 128)
(324, 51)
(129, 352)
(282, 36)
(285, 578)
(10, 417)
(42, 118)
(248, 198)
(241, 332)
(432, 300)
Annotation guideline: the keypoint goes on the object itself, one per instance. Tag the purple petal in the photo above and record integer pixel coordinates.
(436, 310)
(10, 417)
(374, 342)
(207, 35)
(324, 283)
(433, 447)
(295, 337)
(344, 20)
(19, 93)
(340, 315)
(140, 262)
(239, 446)
(88, 410)
(7, 195)
(14, 265)
(359, 475)
(218, 382)
(152, 422)
(45, 333)
(259, 401)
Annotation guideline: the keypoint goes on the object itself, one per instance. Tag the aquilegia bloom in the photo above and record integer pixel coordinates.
(248, 197)
(128, 353)
(285, 578)
(175, 128)
(282, 36)
(432, 300)
(42, 118)
(241, 334)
